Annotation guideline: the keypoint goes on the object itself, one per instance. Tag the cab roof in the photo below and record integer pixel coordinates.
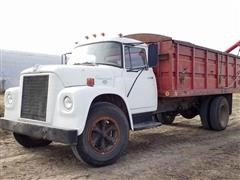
(124, 40)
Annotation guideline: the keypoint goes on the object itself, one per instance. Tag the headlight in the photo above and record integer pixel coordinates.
(9, 99)
(68, 103)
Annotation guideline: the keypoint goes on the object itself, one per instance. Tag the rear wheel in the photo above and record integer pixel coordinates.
(30, 142)
(219, 113)
(205, 113)
(105, 136)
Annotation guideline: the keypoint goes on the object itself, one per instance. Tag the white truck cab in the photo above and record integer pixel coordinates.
(91, 103)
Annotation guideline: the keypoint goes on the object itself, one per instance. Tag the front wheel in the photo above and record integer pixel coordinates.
(105, 136)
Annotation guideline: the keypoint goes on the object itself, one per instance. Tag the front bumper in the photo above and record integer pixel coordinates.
(41, 132)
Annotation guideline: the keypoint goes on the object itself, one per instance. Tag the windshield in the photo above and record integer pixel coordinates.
(107, 53)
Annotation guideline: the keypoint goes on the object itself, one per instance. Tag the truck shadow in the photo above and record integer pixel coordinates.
(186, 134)
(144, 142)
(185, 125)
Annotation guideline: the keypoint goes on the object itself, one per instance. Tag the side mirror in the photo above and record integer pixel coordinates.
(152, 54)
(65, 57)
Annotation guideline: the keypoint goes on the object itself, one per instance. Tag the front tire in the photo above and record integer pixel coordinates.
(105, 136)
(30, 142)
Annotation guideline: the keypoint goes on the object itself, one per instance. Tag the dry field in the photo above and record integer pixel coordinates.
(181, 151)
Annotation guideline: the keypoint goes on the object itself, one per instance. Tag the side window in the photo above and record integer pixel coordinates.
(134, 57)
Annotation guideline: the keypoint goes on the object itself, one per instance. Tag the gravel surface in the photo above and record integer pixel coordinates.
(181, 151)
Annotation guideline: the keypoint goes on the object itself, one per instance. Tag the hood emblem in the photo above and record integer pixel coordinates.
(35, 67)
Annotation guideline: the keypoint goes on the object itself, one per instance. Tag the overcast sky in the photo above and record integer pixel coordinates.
(52, 26)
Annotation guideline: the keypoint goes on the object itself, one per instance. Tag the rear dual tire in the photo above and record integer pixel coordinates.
(205, 113)
(219, 113)
(214, 113)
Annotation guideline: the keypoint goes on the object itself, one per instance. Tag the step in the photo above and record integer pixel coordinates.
(146, 125)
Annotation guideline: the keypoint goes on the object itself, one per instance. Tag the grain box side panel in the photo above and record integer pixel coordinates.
(164, 68)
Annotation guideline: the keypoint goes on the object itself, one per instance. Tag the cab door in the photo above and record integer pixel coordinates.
(140, 82)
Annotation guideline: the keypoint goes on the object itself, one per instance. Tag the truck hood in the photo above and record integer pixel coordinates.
(76, 75)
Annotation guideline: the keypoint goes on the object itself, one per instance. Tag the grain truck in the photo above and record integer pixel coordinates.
(112, 86)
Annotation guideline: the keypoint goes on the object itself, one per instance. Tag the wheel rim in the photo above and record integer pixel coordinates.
(104, 134)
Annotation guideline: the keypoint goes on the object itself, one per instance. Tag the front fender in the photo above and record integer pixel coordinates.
(82, 97)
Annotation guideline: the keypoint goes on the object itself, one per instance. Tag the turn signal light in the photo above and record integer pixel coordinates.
(90, 82)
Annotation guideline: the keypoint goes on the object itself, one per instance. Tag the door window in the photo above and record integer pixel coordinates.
(134, 57)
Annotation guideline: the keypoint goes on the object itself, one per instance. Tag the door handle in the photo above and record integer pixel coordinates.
(150, 77)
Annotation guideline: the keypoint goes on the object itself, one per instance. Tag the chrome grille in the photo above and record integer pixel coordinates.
(34, 97)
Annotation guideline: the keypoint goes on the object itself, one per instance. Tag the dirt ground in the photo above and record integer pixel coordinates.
(181, 151)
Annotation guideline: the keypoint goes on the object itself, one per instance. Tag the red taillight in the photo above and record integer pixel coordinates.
(90, 82)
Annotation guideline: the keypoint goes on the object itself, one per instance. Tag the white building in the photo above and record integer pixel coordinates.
(13, 62)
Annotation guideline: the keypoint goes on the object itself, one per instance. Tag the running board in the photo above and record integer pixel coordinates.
(146, 125)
